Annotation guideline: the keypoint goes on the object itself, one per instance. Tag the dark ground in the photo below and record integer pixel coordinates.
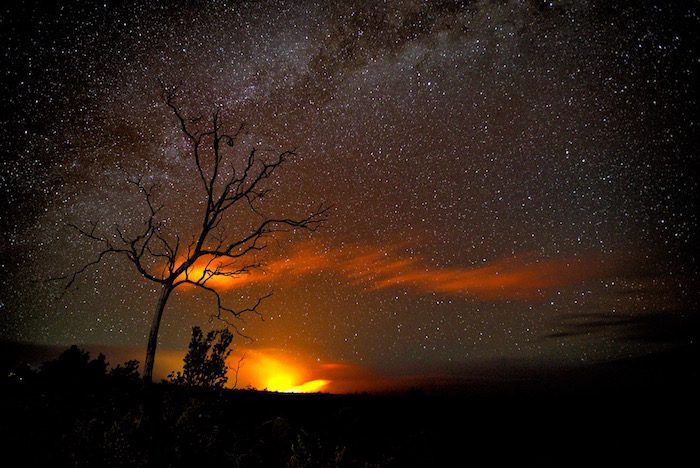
(637, 412)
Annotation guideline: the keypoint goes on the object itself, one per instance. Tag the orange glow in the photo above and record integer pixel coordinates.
(311, 386)
(281, 382)
(203, 271)
(302, 261)
(270, 369)
(521, 277)
(276, 371)
(512, 278)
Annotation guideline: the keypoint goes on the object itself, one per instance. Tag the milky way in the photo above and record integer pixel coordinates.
(499, 172)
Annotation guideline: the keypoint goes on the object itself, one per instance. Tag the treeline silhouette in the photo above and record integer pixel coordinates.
(79, 411)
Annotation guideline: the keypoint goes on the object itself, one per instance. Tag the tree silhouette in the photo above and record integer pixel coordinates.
(229, 183)
(205, 361)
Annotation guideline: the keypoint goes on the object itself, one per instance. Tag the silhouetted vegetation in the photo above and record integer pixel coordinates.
(74, 367)
(205, 361)
(78, 411)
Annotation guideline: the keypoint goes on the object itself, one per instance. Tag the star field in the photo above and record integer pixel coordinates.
(496, 170)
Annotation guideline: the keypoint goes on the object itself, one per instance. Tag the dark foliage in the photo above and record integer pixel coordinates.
(205, 361)
(613, 416)
(74, 367)
(128, 371)
(72, 411)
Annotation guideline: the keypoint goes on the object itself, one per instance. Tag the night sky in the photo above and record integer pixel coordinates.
(510, 181)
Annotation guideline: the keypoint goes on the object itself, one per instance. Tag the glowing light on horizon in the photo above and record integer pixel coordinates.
(280, 383)
(274, 371)
(311, 386)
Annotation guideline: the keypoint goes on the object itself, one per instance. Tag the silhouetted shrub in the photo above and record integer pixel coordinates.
(127, 371)
(74, 367)
(205, 361)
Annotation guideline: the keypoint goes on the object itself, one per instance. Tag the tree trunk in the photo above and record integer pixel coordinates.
(153, 335)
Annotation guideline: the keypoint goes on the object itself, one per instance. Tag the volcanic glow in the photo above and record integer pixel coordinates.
(275, 371)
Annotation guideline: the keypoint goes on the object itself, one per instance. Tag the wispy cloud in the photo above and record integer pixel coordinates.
(509, 278)
(521, 277)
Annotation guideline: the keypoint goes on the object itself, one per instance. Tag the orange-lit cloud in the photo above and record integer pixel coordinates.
(304, 260)
(512, 278)
(520, 277)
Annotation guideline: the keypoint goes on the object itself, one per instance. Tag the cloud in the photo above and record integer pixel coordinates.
(520, 277)
(510, 278)
(300, 262)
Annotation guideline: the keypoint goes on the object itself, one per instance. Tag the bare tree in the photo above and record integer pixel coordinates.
(229, 183)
